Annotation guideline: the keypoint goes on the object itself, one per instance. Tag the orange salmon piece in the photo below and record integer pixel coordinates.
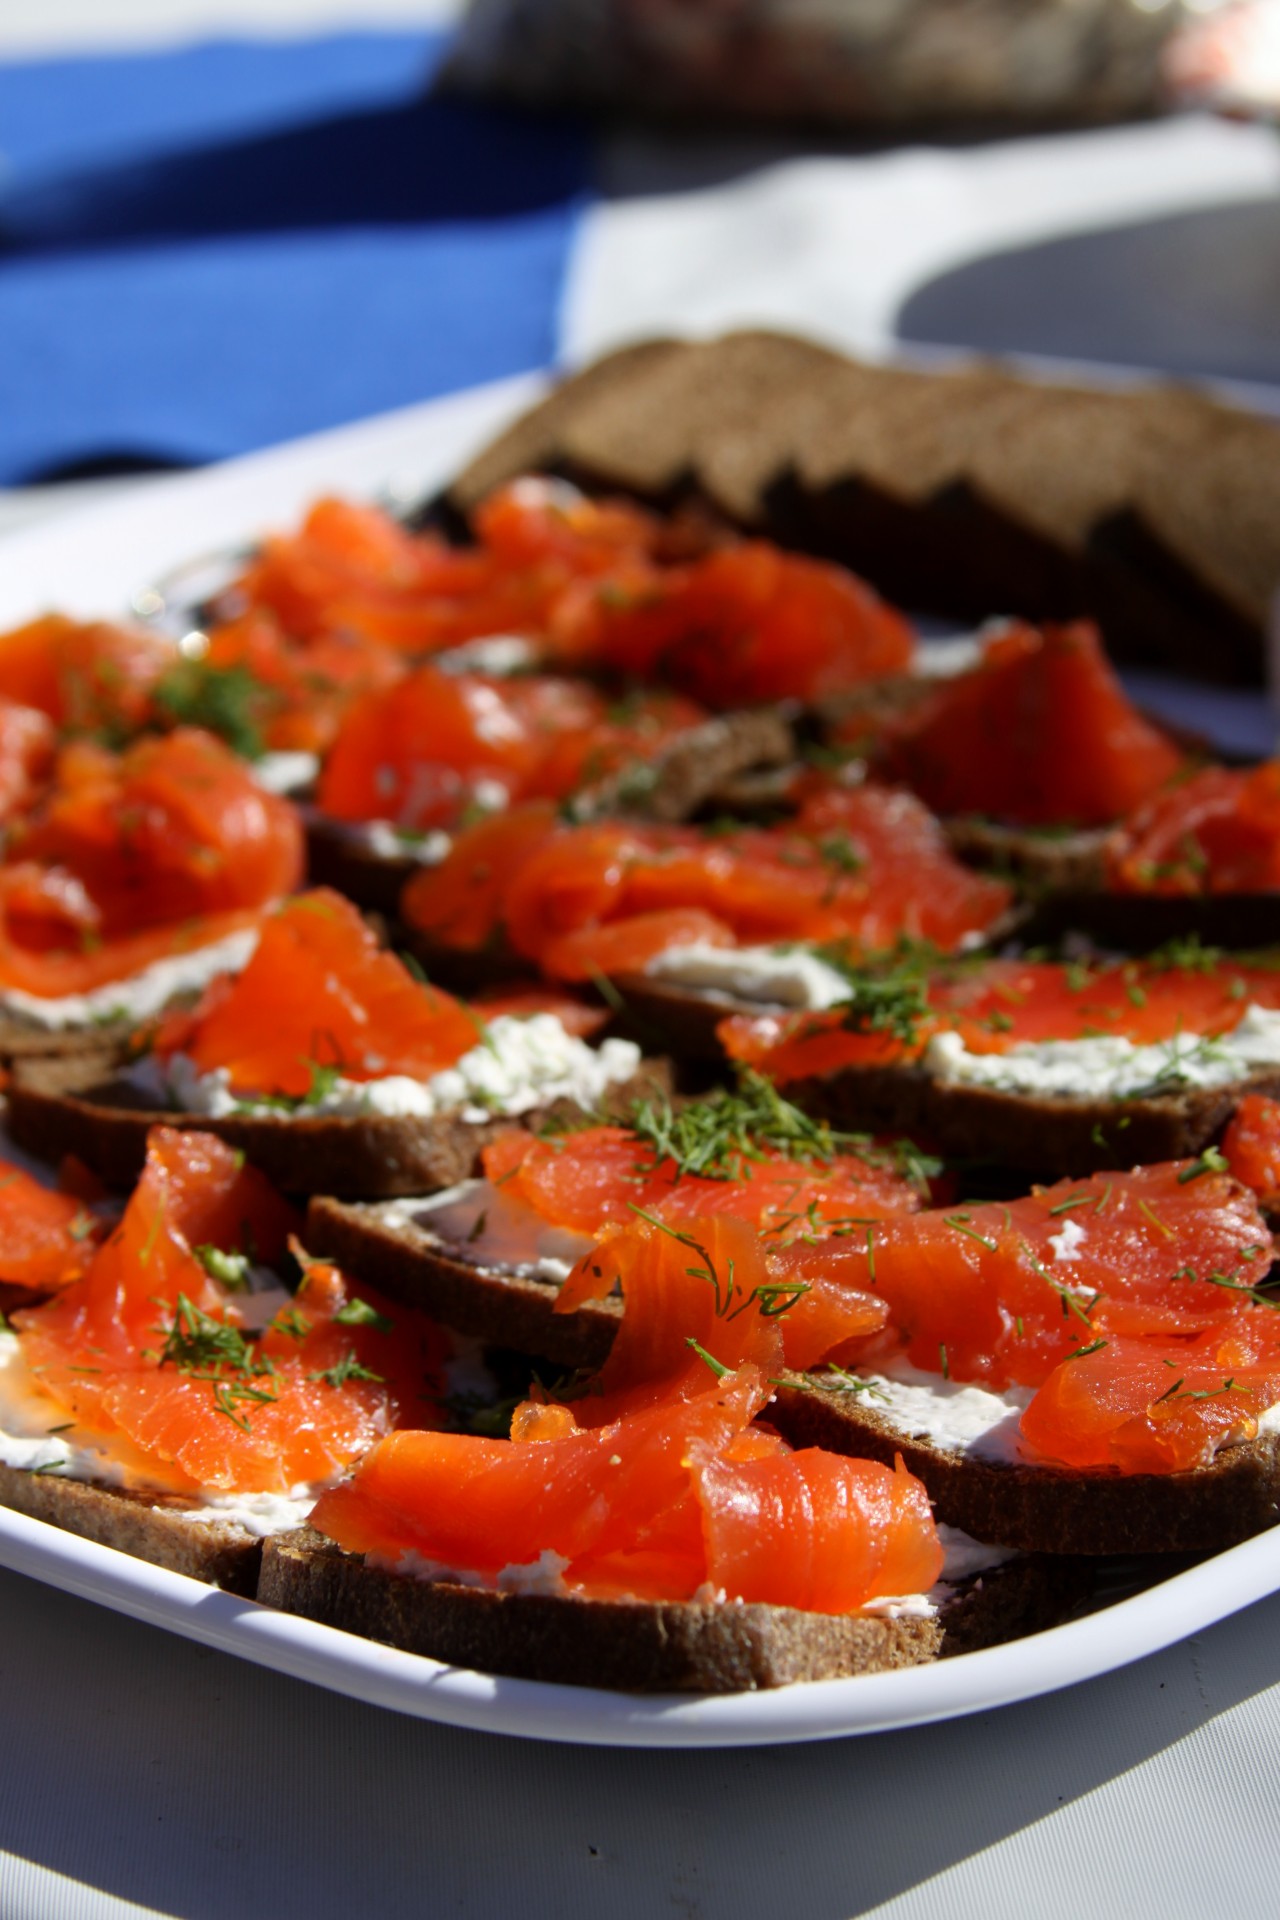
(319, 992)
(1000, 1003)
(816, 1531)
(600, 1175)
(1251, 1146)
(46, 1238)
(865, 867)
(86, 676)
(1165, 1407)
(173, 828)
(1218, 832)
(1000, 1294)
(146, 1352)
(460, 902)
(1039, 733)
(598, 1497)
(750, 623)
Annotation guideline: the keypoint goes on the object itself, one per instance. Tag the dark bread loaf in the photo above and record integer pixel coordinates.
(83, 1106)
(532, 444)
(964, 493)
(1052, 1509)
(149, 1526)
(648, 1646)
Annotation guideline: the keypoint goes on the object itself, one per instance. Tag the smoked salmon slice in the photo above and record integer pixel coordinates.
(748, 1153)
(1129, 1303)
(896, 1005)
(171, 829)
(1218, 832)
(1040, 733)
(47, 1238)
(865, 866)
(158, 1357)
(436, 746)
(654, 1505)
(318, 996)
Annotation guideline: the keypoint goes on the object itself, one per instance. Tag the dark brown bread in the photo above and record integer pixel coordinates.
(82, 1106)
(406, 1261)
(650, 1647)
(335, 858)
(149, 1526)
(672, 786)
(645, 434)
(677, 782)
(1139, 922)
(960, 492)
(627, 1645)
(1052, 1509)
(1049, 1136)
(533, 443)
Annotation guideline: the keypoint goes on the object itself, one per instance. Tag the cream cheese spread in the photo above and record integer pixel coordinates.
(27, 1415)
(1107, 1066)
(781, 976)
(490, 1229)
(286, 772)
(947, 1413)
(519, 1065)
(383, 839)
(139, 995)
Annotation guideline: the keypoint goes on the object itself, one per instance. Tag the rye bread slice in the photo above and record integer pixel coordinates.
(626, 1645)
(503, 1307)
(337, 859)
(147, 1525)
(532, 444)
(1047, 1509)
(1050, 1136)
(1139, 922)
(649, 1646)
(671, 786)
(83, 1106)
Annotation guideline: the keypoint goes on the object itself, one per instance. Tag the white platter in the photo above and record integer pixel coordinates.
(381, 1676)
(90, 563)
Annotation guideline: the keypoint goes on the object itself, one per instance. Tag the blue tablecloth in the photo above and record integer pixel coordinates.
(206, 250)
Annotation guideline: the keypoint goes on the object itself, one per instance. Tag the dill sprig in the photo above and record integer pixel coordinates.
(718, 1137)
(228, 701)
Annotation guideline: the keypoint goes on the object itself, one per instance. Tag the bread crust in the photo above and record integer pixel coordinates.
(82, 1106)
(954, 492)
(149, 1526)
(1047, 1509)
(1050, 1136)
(654, 1646)
(503, 1308)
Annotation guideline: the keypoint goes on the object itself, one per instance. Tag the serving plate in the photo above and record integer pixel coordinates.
(102, 561)
(1186, 1603)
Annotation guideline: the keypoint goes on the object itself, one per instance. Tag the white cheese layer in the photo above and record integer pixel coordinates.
(947, 1413)
(491, 1230)
(27, 1414)
(1108, 1067)
(139, 995)
(521, 1064)
(258, 1513)
(386, 841)
(286, 772)
(784, 976)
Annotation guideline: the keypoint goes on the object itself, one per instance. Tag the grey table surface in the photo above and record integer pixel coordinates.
(140, 1774)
